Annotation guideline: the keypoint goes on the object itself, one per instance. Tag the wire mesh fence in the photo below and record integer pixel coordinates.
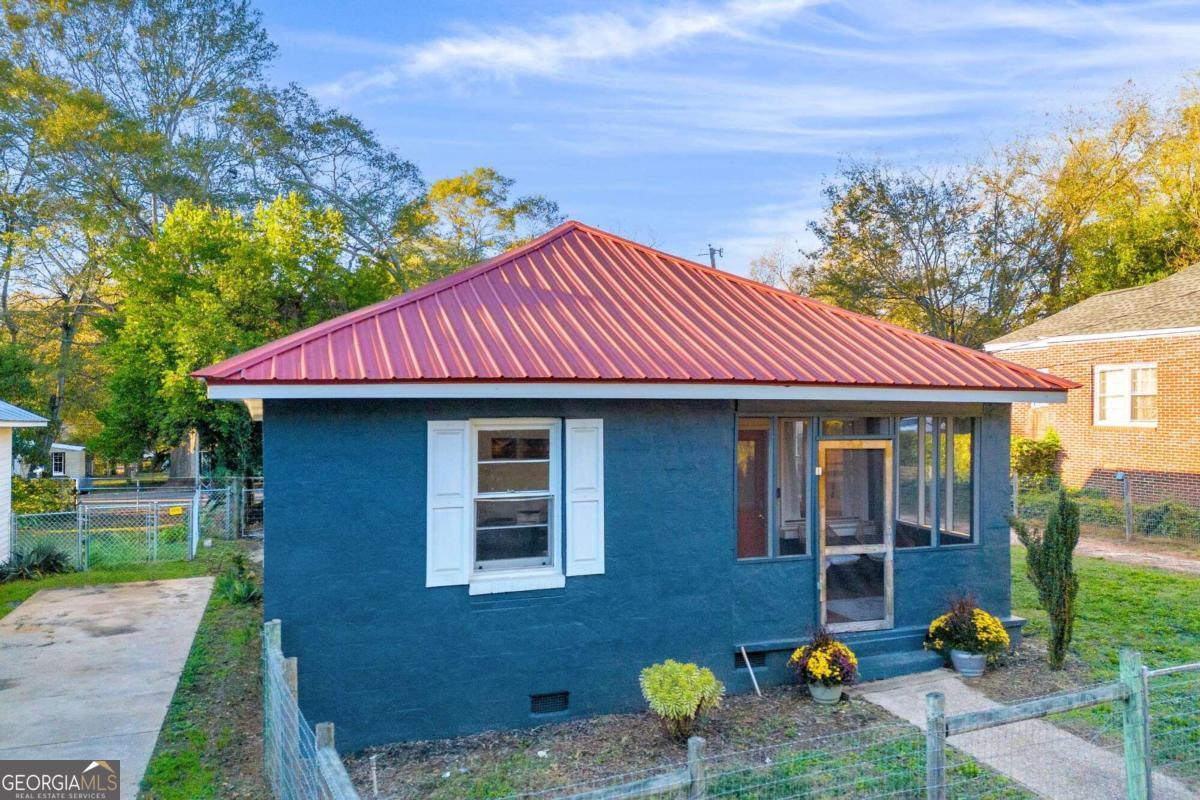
(1116, 739)
(299, 761)
(1174, 713)
(109, 535)
(1102, 515)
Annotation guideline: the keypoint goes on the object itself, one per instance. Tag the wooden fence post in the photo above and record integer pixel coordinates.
(1135, 727)
(935, 746)
(697, 783)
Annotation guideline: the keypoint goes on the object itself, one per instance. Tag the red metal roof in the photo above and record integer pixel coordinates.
(579, 304)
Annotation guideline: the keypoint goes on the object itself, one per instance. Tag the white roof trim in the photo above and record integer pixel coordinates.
(8, 423)
(75, 448)
(1038, 344)
(618, 390)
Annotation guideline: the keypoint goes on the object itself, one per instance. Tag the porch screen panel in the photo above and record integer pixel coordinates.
(753, 469)
(914, 500)
(793, 497)
(958, 470)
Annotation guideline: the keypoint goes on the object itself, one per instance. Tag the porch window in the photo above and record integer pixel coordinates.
(958, 474)
(515, 496)
(58, 463)
(1126, 394)
(914, 491)
(935, 458)
(856, 426)
(772, 487)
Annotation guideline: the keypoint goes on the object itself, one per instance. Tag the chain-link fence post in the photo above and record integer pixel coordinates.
(1135, 727)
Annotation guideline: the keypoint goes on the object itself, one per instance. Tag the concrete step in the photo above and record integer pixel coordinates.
(873, 643)
(890, 665)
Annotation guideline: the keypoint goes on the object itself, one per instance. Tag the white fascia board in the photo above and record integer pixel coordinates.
(1039, 344)
(22, 424)
(621, 391)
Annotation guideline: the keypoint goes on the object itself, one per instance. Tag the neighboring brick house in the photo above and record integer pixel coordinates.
(1136, 354)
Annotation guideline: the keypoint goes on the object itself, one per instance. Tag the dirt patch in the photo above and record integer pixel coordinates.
(497, 763)
(1023, 674)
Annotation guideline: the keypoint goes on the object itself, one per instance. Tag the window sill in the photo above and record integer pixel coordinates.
(516, 581)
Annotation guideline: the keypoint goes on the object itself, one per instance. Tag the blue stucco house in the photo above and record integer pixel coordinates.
(495, 499)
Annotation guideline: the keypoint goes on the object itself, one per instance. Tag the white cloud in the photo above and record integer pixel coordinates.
(563, 43)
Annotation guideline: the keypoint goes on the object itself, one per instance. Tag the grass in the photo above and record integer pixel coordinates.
(1149, 610)
(210, 745)
(1121, 605)
(206, 563)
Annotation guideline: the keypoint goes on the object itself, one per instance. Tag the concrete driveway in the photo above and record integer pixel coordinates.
(89, 672)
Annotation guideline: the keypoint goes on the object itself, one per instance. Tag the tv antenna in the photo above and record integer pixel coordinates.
(713, 254)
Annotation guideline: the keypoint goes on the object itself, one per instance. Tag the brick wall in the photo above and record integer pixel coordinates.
(1162, 462)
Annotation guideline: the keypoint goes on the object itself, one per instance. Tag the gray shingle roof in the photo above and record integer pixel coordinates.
(1173, 302)
(15, 417)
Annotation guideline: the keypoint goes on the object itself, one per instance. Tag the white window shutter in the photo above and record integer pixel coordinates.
(448, 505)
(585, 496)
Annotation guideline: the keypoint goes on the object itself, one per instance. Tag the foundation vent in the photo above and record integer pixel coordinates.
(551, 703)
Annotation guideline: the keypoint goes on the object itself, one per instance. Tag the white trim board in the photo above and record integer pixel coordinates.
(1040, 344)
(622, 391)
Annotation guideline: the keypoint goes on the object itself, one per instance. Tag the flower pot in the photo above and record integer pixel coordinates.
(825, 695)
(969, 665)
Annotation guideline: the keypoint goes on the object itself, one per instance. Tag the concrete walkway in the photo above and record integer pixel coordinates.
(89, 672)
(1037, 754)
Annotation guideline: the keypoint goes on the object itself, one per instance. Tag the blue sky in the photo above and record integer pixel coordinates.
(684, 123)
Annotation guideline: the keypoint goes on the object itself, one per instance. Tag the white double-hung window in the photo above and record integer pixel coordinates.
(1126, 394)
(516, 494)
(504, 494)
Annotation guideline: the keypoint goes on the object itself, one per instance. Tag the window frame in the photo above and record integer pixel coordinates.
(941, 479)
(775, 488)
(60, 458)
(1127, 421)
(944, 501)
(554, 493)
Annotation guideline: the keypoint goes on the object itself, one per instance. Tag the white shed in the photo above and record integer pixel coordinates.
(68, 461)
(10, 417)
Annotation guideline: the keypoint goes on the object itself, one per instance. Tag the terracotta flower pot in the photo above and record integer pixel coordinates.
(969, 665)
(825, 695)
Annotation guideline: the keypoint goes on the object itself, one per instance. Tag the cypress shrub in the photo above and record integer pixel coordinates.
(1049, 567)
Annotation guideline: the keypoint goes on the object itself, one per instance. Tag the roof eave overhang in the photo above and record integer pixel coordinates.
(1046, 341)
(619, 390)
(8, 423)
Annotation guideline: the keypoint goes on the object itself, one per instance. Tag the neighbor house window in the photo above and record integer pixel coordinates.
(1044, 371)
(58, 463)
(1126, 394)
(515, 495)
(772, 505)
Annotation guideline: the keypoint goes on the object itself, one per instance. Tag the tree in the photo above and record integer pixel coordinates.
(213, 283)
(939, 253)
(467, 218)
(1050, 569)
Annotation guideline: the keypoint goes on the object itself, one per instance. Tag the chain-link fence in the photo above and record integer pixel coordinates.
(108, 535)
(300, 762)
(1102, 515)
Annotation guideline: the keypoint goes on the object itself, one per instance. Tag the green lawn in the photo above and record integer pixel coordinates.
(1150, 610)
(207, 561)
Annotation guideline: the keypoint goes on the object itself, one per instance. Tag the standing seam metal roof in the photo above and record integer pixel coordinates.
(579, 304)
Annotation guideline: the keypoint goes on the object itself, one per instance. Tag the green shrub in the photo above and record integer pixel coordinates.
(680, 694)
(1168, 519)
(238, 584)
(1048, 563)
(40, 495)
(1035, 461)
(41, 560)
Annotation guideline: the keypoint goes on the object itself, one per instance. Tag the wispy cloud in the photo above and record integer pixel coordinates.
(563, 43)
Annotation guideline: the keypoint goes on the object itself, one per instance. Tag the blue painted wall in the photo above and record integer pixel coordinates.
(387, 659)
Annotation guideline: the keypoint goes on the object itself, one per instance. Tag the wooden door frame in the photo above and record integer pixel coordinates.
(889, 534)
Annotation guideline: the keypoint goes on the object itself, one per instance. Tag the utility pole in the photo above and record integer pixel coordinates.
(713, 253)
